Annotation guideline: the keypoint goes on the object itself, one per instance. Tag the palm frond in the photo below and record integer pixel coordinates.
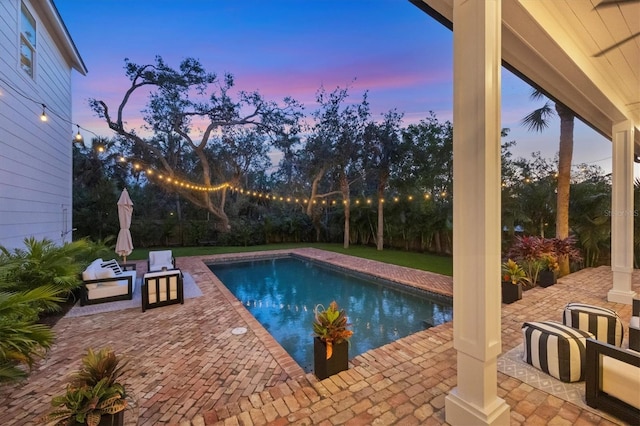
(538, 120)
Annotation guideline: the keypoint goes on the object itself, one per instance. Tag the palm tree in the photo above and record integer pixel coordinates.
(538, 120)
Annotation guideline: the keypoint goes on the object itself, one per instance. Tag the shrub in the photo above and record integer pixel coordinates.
(537, 253)
(22, 341)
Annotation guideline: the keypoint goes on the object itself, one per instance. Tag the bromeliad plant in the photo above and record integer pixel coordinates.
(513, 273)
(330, 325)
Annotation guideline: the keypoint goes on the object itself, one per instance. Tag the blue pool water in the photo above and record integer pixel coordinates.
(281, 294)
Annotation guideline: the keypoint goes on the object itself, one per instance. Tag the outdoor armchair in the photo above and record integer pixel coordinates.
(613, 380)
(162, 288)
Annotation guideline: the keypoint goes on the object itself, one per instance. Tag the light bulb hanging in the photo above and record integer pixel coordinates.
(44, 117)
(78, 137)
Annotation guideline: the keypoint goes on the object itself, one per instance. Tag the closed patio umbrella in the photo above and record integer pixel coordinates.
(124, 245)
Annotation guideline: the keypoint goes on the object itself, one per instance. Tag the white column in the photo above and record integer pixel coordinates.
(476, 214)
(622, 213)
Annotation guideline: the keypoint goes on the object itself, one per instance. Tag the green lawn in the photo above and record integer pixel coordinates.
(427, 262)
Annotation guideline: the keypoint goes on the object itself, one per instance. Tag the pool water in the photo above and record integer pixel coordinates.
(281, 294)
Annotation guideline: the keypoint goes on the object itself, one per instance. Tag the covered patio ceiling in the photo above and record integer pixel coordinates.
(582, 53)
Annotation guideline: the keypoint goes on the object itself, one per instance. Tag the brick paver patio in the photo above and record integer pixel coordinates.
(189, 369)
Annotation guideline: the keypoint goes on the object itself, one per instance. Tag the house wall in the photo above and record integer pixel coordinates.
(35, 156)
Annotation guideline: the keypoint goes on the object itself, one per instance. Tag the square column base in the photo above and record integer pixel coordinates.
(621, 296)
(460, 412)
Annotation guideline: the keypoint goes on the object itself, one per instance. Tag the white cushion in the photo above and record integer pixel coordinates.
(107, 291)
(621, 380)
(89, 274)
(105, 273)
(160, 259)
(635, 322)
(91, 286)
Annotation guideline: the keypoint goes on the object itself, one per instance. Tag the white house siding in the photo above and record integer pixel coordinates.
(35, 156)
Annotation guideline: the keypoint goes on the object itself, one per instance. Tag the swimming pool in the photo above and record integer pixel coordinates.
(281, 294)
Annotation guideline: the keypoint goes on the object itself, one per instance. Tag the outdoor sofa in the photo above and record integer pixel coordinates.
(107, 281)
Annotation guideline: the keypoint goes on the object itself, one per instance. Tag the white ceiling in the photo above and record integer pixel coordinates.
(583, 53)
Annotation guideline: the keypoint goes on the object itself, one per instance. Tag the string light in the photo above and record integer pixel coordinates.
(78, 137)
(44, 117)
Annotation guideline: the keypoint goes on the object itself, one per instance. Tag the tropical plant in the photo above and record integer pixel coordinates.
(529, 250)
(549, 262)
(513, 273)
(22, 341)
(537, 253)
(92, 391)
(86, 404)
(42, 262)
(566, 248)
(96, 366)
(330, 325)
(590, 219)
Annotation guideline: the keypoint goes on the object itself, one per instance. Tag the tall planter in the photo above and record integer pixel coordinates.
(339, 361)
(546, 278)
(511, 292)
(116, 419)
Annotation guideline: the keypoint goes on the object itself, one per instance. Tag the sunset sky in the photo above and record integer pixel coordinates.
(290, 48)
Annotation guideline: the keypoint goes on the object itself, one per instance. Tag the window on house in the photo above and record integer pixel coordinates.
(27, 41)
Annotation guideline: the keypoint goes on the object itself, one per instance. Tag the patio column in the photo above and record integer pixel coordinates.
(622, 213)
(476, 214)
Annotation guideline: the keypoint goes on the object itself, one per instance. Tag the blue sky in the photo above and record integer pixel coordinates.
(290, 48)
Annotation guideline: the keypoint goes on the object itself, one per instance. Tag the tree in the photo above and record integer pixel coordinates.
(426, 169)
(538, 120)
(98, 179)
(334, 148)
(382, 149)
(533, 185)
(186, 108)
(590, 204)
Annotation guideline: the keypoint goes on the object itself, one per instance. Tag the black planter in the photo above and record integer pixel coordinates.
(511, 292)
(546, 278)
(339, 361)
(116, 419)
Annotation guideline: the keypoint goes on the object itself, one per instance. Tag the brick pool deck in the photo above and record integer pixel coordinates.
(188, 368)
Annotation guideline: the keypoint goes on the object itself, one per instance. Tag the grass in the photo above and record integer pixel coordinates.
(426, 262)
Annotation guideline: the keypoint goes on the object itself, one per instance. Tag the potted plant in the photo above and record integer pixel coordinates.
(93, 395)
(547, 275)
(513, 276)
(331, 341)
